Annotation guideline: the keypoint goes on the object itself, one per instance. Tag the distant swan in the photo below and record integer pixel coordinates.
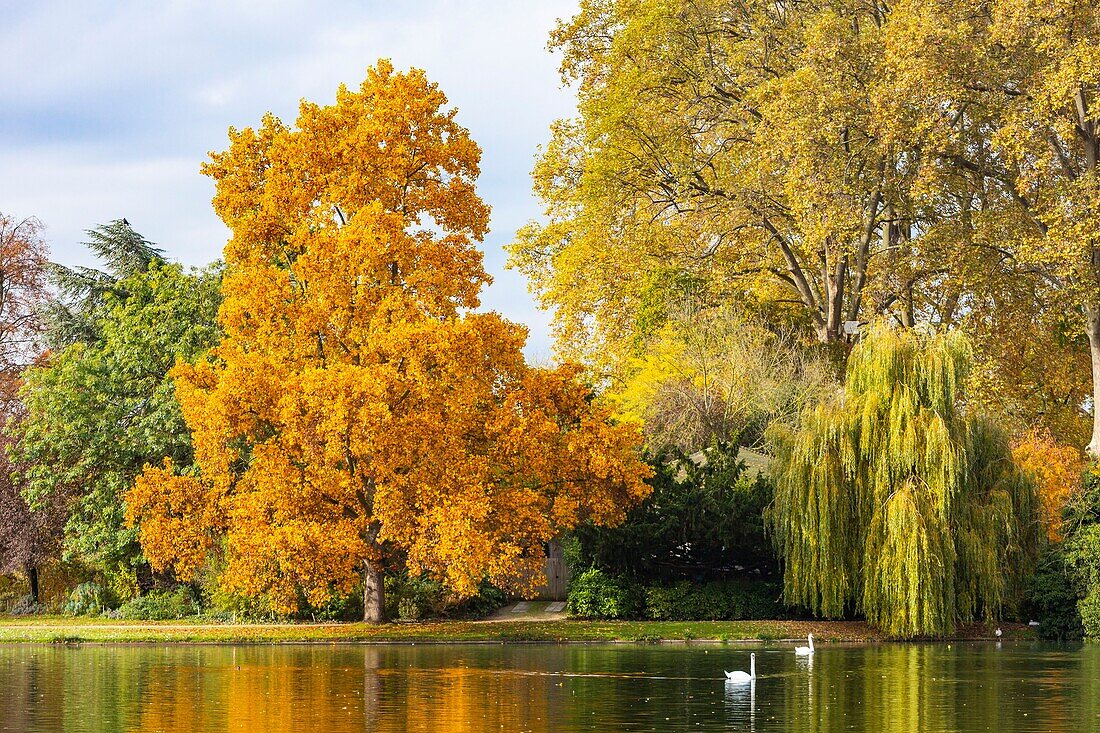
(805, 651)
(744, 676)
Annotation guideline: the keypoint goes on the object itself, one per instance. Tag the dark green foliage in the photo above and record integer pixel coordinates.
(1052, 599)
(1078, 556)
(1088, 609)
(731, 600)
(161, 605)
(103, 407)
(596, 594)
(337, 608)
(411, 598)
(489, 598)
(73, 316)
(704, 518)
(1081, 528)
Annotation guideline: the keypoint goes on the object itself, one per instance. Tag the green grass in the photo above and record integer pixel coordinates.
(68, 630)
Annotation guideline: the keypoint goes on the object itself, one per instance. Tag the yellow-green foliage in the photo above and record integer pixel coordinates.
(892, 502)
(713, 374)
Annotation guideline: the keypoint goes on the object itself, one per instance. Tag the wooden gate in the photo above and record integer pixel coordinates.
(556, 585)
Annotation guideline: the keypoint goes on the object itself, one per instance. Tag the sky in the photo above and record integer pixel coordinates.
(107, 109)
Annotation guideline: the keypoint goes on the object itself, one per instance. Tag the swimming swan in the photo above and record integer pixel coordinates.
(805, 651)
(744, 676)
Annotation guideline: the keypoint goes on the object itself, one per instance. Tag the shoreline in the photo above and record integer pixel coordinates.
(84, 630)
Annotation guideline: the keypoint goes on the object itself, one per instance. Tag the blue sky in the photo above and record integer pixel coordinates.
(107, 109)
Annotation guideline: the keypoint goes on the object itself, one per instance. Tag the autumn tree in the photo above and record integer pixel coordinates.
(756, 147)
(892, 502)
(1031, 362)
(102, 406)
(23, 267)
(357, 406)
(29, 535)
(1010, 92)
(1057, 471)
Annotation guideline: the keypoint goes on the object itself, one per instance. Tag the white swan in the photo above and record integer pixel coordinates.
(805, 651)
(744, 676)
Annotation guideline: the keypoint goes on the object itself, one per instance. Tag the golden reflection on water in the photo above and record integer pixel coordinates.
(396, 689)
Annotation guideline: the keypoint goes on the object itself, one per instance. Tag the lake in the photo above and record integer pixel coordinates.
(675, 687)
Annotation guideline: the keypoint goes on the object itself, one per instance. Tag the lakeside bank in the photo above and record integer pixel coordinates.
(70, 630)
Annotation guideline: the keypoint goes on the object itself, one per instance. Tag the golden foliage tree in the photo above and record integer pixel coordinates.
(892, 502)
(1010, 93)
(757, 147)
(357, 407)
(827, 161)
(1056, 470)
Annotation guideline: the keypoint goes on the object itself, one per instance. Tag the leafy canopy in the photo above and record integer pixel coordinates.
(893, 502)
(757, 147)
(100, 409)
(357, 413)
(704, 518)
(711, 374)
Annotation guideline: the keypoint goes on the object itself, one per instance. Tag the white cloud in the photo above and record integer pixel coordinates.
(108, 108)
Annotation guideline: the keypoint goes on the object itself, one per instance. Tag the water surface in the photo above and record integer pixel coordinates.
(888, 687)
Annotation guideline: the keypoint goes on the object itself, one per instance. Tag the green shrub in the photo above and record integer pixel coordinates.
(88, 599)
(728, 600)
(1052, 599)
(594, 594)
(409, 608)
(411, 597)
(160, 606)
(339, 607)
(668, 602)
(1089, 610)
(227, 606)
(488, 599)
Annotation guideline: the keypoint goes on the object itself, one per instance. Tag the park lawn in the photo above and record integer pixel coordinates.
(66, 629)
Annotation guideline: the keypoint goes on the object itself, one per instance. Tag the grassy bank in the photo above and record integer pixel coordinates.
(63, 629)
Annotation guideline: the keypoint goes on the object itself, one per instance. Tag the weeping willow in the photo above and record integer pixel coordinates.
(892, 502)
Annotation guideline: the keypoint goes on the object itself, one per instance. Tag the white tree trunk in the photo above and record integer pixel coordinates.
(1092, 328)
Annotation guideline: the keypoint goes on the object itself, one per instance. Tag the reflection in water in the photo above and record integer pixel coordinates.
(537, 688)
(741, 704)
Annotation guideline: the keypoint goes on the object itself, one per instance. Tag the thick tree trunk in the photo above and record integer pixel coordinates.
(32, 578)
(374, 594)
(1092, 328)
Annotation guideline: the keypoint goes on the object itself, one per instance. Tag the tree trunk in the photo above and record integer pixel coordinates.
(143, 574)
(374, 594)
(32, 578)
(1092, 328)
